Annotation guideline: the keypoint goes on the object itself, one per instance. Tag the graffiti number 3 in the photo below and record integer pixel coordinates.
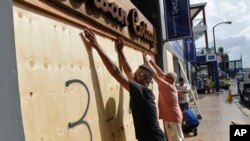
(81, 120)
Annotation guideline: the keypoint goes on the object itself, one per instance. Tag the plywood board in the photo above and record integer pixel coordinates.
(62, 81)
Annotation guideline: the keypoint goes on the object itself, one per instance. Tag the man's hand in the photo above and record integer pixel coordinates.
(119, 44)
(90, 36)
(145, 58)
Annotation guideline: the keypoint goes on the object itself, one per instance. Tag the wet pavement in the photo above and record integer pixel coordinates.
(217, 114)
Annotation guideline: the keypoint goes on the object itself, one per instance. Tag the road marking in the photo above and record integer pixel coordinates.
(243, 109)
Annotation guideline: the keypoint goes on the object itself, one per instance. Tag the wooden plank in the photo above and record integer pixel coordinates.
(50, 53)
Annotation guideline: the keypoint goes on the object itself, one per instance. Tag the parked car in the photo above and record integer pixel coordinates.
(244, 88)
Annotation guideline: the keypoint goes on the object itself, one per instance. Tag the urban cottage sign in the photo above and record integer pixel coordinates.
(119, 15)
(114, 10)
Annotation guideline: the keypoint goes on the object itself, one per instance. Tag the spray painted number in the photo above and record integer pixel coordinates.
(81, 120)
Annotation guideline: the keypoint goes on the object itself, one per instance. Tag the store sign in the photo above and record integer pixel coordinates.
(114, 10)
(120, 16)
(189, 49)
(178, 23)
(210, 58)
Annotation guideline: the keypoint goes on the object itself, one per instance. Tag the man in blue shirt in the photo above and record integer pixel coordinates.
(191, 122)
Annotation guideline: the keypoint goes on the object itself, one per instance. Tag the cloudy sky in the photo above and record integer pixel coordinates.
(235, 38)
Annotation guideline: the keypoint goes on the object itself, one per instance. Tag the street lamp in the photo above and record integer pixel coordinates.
(228, 22)
(216, 65)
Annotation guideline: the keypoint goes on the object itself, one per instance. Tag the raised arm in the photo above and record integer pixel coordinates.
(127, 69)
(159, 72)
(156, 77)
(111, 67)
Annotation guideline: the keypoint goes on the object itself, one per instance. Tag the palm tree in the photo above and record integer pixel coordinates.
(222, 51)
(224, 56)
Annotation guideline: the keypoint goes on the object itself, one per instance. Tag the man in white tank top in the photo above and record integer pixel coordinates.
(183, 91)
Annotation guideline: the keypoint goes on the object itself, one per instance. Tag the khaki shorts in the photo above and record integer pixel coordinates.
(174, 131)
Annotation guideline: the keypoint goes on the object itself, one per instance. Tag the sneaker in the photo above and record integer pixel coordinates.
(195, 132)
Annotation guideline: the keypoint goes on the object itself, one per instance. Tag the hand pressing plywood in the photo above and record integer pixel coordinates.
(66, 92)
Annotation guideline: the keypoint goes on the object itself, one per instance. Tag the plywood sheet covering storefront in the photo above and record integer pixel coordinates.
(62, 81)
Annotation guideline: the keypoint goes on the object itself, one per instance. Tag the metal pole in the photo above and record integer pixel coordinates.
(214, 41)
(216, 79)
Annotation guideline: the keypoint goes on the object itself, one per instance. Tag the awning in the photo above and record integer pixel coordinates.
(195, 9)
(199, 28)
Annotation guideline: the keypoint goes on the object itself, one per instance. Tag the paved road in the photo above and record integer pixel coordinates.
(217, 114)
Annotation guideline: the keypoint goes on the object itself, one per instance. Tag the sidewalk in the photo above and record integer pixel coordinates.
(217, 114)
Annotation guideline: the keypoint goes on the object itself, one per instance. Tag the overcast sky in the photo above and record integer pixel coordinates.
(235, 38)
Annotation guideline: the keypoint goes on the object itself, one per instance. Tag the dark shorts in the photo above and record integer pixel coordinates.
(189, 128)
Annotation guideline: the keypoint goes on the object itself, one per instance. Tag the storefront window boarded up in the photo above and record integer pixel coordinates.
(66, 92)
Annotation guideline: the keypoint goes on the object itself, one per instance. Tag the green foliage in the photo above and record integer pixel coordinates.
(226, 83)
(208, 83)
(222, 51)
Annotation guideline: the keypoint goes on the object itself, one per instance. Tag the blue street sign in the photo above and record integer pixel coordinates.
(177, 18)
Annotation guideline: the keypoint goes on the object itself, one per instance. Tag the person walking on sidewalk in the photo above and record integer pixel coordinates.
(169, 109)
(141, 98)
(183, 91)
